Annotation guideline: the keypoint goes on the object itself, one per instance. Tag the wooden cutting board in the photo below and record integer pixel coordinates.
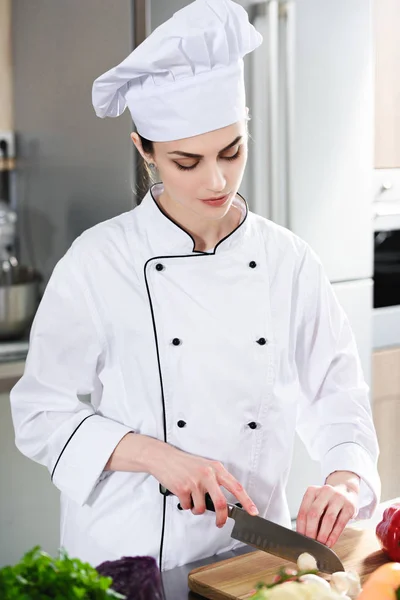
(236, 578)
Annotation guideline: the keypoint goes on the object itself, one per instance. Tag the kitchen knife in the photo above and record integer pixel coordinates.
(275, 539)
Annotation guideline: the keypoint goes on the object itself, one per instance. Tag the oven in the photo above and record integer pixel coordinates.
(386, 219)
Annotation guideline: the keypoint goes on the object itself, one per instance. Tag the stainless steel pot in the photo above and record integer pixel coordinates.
(18, 304)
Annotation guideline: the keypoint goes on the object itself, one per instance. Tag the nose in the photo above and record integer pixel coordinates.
(216, 181)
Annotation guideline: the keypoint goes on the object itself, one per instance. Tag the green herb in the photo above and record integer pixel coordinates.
(38, 576)
(281, 576)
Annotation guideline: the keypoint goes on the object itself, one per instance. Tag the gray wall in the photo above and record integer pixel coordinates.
(76, 169)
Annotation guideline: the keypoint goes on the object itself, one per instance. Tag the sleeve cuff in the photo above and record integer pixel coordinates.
(82, 461)
(352, 457)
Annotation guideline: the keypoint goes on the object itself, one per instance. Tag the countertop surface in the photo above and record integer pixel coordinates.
(13, 350)
(12, 362)
(176, 580)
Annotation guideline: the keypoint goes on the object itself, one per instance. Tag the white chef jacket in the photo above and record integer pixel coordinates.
(223, 354)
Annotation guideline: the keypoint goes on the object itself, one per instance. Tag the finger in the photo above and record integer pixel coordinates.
(308, 499)
(344, 517)
(316, 511)
(219, 501)
(199, 502)
(329, 519)
(234, 487)
(185, 497)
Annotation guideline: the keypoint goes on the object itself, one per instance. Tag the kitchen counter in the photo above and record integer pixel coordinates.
(13, 351)
(10, 372)
(176, 580)
(12, 362)
(11, 369)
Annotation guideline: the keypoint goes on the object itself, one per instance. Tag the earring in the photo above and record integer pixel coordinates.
(152, 165)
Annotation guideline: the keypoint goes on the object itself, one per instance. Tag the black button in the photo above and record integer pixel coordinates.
(252, 264)
(262, 341)
(180, 507)
(159, 267)
(253, 425)
(176, 342)
(181, 423)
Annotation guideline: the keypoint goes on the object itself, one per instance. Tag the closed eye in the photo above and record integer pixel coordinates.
(234, 156)
(191, 167)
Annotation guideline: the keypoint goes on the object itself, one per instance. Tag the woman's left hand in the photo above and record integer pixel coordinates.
(326, 510)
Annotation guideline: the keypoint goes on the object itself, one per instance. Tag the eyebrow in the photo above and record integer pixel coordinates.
(190, 155)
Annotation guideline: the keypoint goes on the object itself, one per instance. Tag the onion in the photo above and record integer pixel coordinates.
(340, 582)
(311, 578)
(354, 585)
(346, 583)
(306, 562)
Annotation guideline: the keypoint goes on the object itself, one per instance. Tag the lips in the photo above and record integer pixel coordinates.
(220, 201)
(213, 199)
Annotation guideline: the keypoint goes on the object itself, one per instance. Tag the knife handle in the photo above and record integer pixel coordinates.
(209, 503)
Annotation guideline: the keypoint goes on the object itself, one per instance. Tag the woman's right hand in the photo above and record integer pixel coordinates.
(189, 477)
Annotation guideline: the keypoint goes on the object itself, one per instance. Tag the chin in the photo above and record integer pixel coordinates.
(214, 214)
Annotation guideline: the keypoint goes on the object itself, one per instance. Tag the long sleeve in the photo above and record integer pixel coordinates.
(53, 426)
(335, 418)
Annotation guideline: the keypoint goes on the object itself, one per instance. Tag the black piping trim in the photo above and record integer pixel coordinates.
(188, 234)
(68, 441)
(196, 253)
(154, 258)
(163, 404)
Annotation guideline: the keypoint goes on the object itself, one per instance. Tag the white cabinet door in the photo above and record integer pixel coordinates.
(331, 203)
(356, 299)
(387, 84)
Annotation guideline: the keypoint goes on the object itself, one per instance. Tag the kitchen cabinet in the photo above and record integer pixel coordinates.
(387, 84)
(6, 118)
(386, 409)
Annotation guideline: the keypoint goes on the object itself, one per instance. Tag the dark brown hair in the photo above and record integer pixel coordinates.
(148, 147)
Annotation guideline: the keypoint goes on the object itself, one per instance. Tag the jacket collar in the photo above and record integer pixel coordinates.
(168, 238)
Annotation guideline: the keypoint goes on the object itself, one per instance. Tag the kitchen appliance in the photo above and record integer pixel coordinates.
(19, 292)
(387, 268)
(275, 539)
(386, 213)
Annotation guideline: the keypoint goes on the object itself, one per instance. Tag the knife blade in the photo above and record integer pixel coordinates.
(275, 539)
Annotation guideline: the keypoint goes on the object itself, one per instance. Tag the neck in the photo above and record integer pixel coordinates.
(206, 233)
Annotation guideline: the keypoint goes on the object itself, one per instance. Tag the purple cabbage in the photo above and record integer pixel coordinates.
(137, 577)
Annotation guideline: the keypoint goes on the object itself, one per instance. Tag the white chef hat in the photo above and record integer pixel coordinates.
(186, 78)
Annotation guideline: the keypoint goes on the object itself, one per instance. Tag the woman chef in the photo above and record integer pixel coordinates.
(205, 334)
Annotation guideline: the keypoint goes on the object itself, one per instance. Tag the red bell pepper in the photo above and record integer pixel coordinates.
(388, 532)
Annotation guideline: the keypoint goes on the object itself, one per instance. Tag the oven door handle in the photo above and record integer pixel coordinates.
(387, 211)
